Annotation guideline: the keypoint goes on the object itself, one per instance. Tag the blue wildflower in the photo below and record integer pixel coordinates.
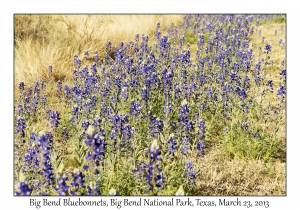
(54, 119)
(24, 189)
(20, 126)
(62, 187)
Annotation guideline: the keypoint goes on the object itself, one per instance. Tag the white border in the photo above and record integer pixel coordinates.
(7, 201)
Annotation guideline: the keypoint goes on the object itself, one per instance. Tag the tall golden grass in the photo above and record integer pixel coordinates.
(42, 40)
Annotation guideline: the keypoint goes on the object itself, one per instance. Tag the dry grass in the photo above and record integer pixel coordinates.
(42, 40)
(221, 176)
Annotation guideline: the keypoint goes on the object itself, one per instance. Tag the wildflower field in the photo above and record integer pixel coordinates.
(150, 105)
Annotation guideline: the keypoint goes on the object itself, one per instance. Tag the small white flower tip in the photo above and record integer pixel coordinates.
(92, 185)
(184, 102)
(76, 171)
(90, 131)
(113, 192)
(154, 146)
(41, 133)
(22, 177)
(61, 168)
(180, 191)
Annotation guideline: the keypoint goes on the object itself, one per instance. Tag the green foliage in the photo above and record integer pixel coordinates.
(240, 144)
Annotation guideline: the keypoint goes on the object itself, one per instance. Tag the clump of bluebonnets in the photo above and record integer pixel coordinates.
(130, 121)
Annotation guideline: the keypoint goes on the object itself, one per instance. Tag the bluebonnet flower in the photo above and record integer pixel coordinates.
(201, 125)
(144, 94)
(134, 82)
(185, 145)
(29, 92)
(245, 43)
(54, 119)
(190, 173)
(34, 104)
(139, 169)
(75, 112)
(181, 41)
(203, 79)
(20, 126)
(200, 148)
(246, 82)
(42, 82)
(270, 84)
(209, 92)
(36, 88)
(65, 133)
(45, 141)
(50, 70)
(86, 54)
(167, 109)
(283, 75)
(96, 145)
(137, 36)
(44, 100)
(184, 111)
(62, 187)
(177, 92)
(167, 75)
(282, 63)
(93, 190)
(256, 135)
(172, 145)
(24, 188)
(32, 156)
(245, 126)
(225, 130)
(157, 126)
(78, 181)
(96, 56)
(20, 109)
(36, 184)
(241, 92)
(246, 109)
(108, 47)
(164, 43)
(155, 151)
(127, 132)
(268, 48)
(68, 93)
(77, 61)
(235, 65)
(153, 167)
(21, 86)
(202, 105)
(118, 122)
(59, 87)
(189, 126)
(159, 178)
(281, 91)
